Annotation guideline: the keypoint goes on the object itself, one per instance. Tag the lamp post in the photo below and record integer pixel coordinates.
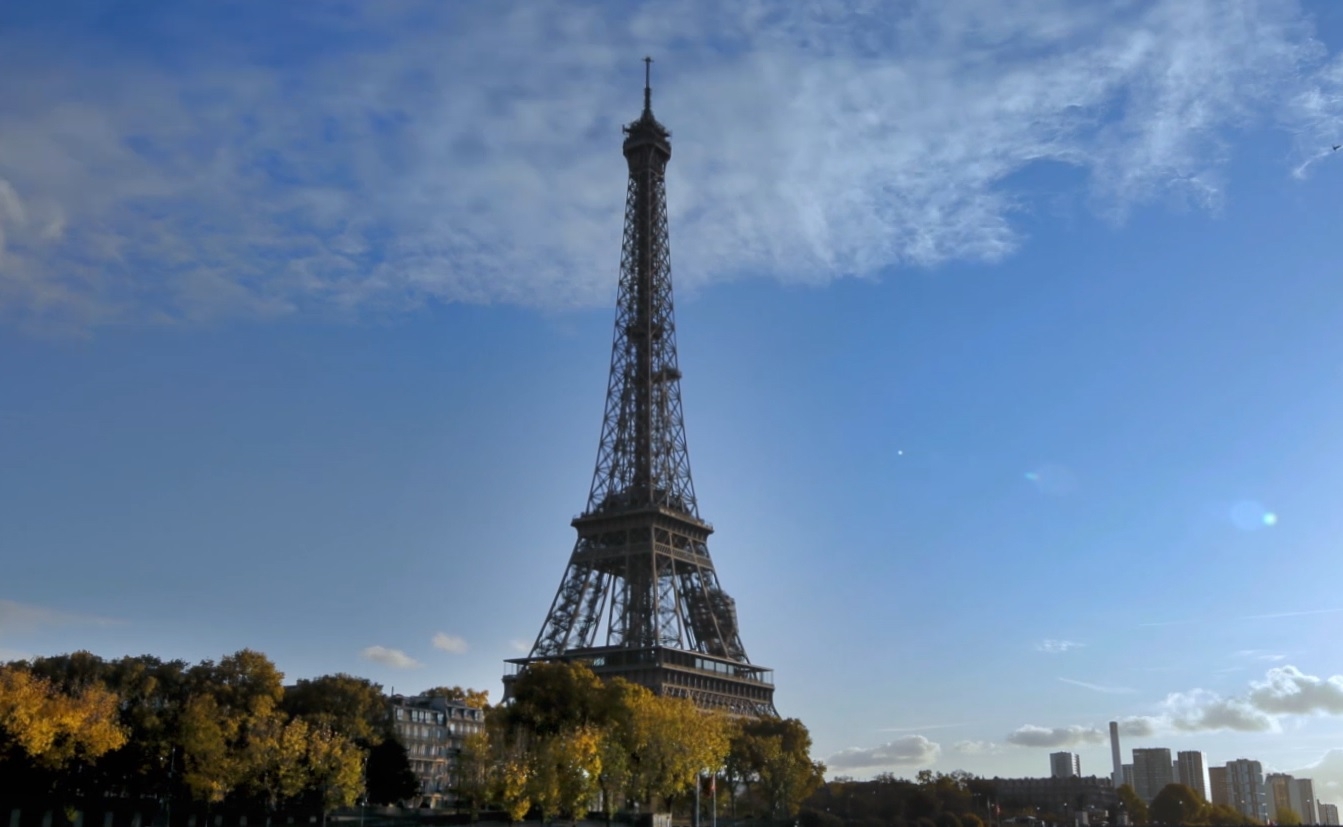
(699, 779)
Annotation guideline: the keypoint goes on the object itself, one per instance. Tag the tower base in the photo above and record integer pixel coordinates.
(738, 689)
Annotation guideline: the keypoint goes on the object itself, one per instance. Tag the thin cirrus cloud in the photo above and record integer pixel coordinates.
(908, 751)
(27, 617)
(1285, 690)
(394, 658)
(1057, 647)
(451, 644)
(473, 161)
(1097, 687)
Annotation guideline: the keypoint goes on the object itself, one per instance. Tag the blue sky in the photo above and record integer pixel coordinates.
(1010, 339)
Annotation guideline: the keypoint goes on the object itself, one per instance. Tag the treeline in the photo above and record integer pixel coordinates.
(230, 734)
(1180, 804)
(956, 799)
(78, 727)
(959, 799)
(570, 740)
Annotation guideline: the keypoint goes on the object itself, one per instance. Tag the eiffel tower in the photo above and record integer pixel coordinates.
(640, 599)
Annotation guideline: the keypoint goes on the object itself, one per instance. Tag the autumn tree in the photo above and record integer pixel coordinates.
(474, 698)
(565, 767)
(674, 742)
(474, 771)
(334, 767)
(230, 718)
(51, 728)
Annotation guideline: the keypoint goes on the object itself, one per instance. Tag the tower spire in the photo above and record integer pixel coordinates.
(640, 598)
(648, 85)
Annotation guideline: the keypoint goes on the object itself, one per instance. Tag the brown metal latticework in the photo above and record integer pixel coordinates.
(640, 598)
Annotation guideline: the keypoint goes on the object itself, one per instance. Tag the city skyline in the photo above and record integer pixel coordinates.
(1010, 351)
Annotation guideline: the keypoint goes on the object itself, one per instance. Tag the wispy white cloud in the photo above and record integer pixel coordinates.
(1302, 613)
(1225, 619)
(909, 751)
(16, 617)
(1096, 687)
(1260, 655)
(520, 646)
(453, 644)
(1057, 647)
(394, 658)
(924, 728)
(449, 152)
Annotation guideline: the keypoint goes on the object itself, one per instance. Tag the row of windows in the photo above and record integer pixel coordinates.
(432, 716)
(423, 731)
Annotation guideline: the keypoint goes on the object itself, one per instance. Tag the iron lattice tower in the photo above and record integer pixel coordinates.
(640, 598)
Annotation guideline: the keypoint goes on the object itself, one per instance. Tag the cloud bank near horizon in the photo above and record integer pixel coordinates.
(1285, 690)
(453, 153)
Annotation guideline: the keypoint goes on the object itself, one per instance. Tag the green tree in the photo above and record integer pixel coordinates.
(474, 768)
(1176, 804)
(549, 698)
(1132, 804)
(1222, 815)
(348, 705)
(775, 754)
(1288, 817)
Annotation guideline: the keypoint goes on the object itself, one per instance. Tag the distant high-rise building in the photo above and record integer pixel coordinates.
(1280, 787)
(1117, 773)
(1192, 771)
(1248, 794)
(1328, 813)
(1294, 794)
(1219, 786)
(1126, 772)
(1304, 801)
(1065, 765)
(1152, 771)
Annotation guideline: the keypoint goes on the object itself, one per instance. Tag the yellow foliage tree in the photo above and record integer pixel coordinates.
(54, 728)
(674, 741)
(567, 767)
(473, 770)
(335, 765)
(514, 790)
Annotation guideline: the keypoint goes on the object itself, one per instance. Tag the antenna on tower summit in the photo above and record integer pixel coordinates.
(648, 88)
